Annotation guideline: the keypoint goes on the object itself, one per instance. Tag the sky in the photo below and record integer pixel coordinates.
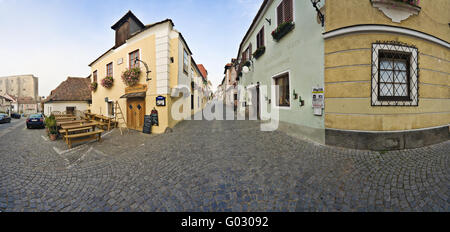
(54, 39)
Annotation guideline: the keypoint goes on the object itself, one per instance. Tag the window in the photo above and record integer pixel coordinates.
(192, 102)
(109, 70)
(395, 74)
(282, 92)
(185, 61)
(132, 59)
(247, 54)
(285, 12)
(260, 38)
(70, 110)
(94, 75)
(111, 108)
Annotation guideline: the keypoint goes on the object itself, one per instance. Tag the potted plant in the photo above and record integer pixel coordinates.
(107, 82)
(131, 76)
(93, 86)
(259, 52)
(52, 128)
(247, 63)
(282, 30)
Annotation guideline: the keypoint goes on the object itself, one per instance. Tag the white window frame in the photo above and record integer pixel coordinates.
(274, 90)
(106, 69)
(107, 108)
(128, 57)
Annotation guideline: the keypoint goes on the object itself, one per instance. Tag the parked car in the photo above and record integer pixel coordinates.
(15, 115)
(35, 121)
(4, 118)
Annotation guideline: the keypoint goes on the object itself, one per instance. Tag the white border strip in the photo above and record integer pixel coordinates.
(380, 132)
(381, 28)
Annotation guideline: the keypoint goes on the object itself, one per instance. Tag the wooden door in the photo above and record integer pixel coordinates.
(135, 113)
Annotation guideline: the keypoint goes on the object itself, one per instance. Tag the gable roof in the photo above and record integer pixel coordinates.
(129, 14)
(26, 100)
(72, 89)
(8, 97)
(203, 71)
(146, 27)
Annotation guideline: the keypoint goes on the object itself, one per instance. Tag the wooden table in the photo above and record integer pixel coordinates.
(102, 119)
(66, 128)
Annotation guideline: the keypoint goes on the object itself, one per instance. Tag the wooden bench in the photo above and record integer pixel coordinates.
(75, 130)
(65, 119)
(83, 137)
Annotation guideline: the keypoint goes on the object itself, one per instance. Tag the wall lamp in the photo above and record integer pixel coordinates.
(321, 16)
(247, 69)
(146, 67)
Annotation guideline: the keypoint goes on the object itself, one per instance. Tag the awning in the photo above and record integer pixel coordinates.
(134, 95)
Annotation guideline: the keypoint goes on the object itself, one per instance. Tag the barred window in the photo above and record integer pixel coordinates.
(393, 76)
(395, 73)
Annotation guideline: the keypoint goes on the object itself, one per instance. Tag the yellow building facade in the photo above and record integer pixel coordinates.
(165, 53)
(387, 69)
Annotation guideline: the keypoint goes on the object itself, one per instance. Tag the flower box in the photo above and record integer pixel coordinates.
(93, 86)
(410, 2)
(282, 30)
(259, 52)
(107, 82)
(131, 76)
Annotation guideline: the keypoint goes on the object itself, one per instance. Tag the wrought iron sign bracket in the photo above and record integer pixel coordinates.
(146, 68)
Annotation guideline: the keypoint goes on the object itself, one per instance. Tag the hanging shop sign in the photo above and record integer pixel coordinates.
(160, 101)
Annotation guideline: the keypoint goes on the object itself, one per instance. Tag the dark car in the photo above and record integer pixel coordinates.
(4, 118)
(15, 115)
(35, 121)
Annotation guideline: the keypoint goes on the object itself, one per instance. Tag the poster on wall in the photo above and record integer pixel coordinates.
(318, 100)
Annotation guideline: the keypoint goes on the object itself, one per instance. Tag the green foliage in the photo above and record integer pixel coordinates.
(50, 123)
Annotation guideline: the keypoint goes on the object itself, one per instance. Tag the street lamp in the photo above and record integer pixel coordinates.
(321, 16)
(146, 67)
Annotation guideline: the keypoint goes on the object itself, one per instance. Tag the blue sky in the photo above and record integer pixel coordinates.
(53, 39)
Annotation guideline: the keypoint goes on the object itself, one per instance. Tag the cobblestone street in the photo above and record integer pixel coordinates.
(215, 166)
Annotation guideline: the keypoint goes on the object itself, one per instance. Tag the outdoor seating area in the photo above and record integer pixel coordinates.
(105, 122)
(84, 127)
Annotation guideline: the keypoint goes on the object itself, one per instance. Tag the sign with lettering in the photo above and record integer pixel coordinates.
(318, 100)
(160, 101)
(147, 129)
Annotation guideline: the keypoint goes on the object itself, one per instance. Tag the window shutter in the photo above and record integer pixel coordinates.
(261, 38)
(250, 54)
(288, 10)
(280, 13)
(258, 40)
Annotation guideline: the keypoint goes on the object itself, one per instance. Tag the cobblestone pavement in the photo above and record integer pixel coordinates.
(216, 166)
